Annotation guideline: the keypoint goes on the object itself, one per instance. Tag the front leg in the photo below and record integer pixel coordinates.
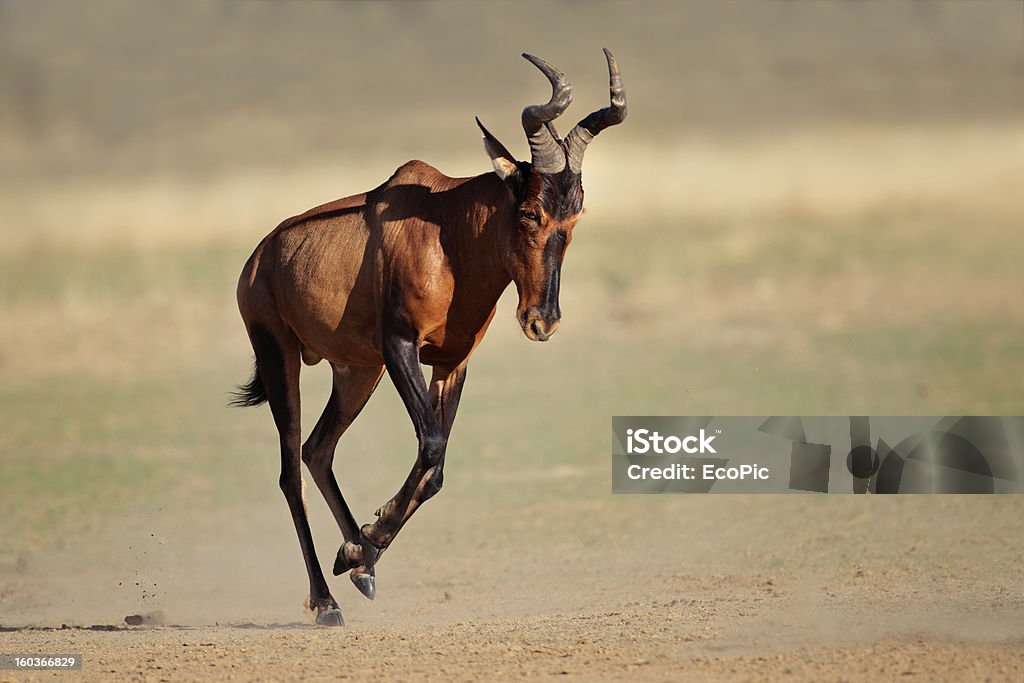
(401, 357)
(445, 391)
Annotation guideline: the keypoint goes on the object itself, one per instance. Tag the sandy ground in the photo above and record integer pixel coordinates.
(845, 588)
(564, 648)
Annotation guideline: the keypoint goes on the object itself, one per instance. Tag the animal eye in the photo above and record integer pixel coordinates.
(529, 215)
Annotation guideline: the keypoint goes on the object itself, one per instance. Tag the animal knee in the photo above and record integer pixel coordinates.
(432, 450)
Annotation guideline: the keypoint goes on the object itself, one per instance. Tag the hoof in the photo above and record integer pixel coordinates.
(366, 584)
(330, 617)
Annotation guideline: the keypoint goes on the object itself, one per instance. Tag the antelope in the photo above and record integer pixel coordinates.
(406, 274)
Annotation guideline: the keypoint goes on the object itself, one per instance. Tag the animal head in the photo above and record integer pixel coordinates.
(548, 192)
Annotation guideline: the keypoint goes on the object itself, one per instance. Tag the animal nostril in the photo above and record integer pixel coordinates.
(537, 329)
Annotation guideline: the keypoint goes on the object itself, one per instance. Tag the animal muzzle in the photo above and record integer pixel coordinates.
(539, 325)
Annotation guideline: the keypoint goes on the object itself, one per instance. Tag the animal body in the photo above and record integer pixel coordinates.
(406, 274)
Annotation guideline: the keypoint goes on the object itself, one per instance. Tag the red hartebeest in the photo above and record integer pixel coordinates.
(408, 273)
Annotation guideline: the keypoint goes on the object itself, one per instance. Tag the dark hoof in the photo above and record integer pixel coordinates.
(330, 617)
(366, 584)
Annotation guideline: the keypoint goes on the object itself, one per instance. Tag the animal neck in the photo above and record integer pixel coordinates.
(478, 243)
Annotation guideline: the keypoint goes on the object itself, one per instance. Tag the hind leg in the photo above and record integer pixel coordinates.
(352, 389)
(277, 360)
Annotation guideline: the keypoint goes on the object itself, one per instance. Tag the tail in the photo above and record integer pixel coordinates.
(250, 394)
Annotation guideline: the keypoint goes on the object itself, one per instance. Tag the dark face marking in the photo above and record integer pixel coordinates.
(561, 194)
(554, 250)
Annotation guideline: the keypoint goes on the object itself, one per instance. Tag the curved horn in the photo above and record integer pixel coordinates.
(546, 153)
(577, 140)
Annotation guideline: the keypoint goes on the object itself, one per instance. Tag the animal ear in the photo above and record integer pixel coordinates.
(505, 165)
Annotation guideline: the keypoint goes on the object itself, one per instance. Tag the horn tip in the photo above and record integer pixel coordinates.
(536, 61)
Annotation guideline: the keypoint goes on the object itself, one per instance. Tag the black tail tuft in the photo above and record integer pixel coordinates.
(250, 394)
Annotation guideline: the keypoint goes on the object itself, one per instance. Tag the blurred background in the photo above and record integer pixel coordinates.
(813, 208)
